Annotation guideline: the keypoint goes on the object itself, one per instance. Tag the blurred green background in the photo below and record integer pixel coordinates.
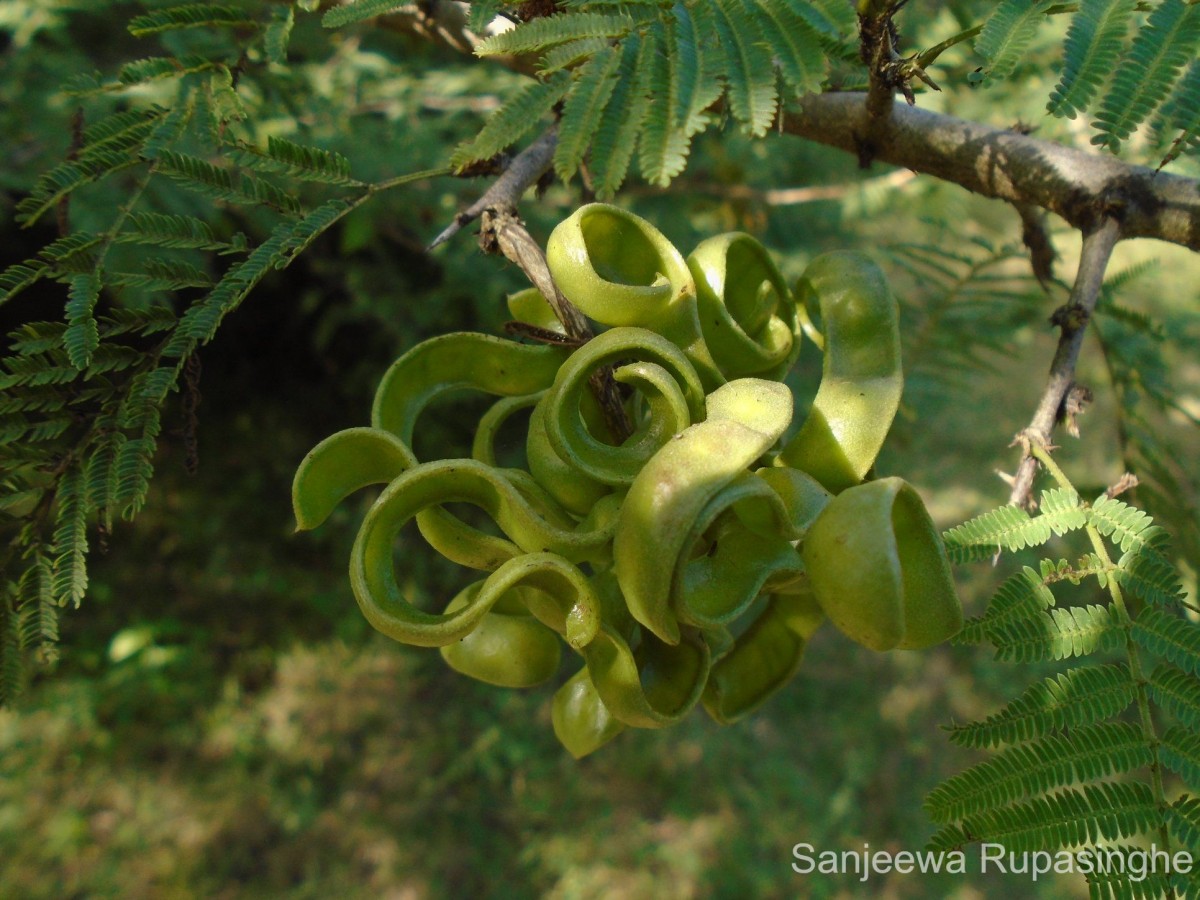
(223, 723)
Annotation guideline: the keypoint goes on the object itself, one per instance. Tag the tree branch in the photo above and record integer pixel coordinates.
(1084, 188)
(522, 173)
(1073, 320)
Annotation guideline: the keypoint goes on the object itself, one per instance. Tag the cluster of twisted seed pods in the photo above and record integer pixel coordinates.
(691, 562)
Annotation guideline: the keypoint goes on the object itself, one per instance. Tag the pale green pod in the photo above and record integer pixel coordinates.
(483, 448)
(746, 311)
(469, 546)
(530, 307)
(508, 648)
(582, 723)
(877, 566)
(673, 394)
(802, 495)
(571, 487)
(620, 270)
(373, 576)
(862, 377)
(358, 457)
(572, 608)
(738, 546)
(745, 418)
(763, 659)
(459, 361)
(654, 686)
(342, 464)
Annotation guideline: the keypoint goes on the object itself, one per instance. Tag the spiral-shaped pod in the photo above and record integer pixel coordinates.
(746, 311)
(879, 570)
(764, 657)
(861, 379)
(540, 557)
(744, 418)
(674, 398)
(463, 360)
(509, 647)
(688, 562)
(620, 270)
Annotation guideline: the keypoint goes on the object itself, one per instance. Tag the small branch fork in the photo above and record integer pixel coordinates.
(1072, 320)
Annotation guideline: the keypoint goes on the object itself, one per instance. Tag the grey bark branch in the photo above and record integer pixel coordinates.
(506, 191)
(1073, 320)
(1083, 188)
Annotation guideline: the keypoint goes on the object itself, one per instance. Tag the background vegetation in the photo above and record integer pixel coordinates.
(223, 723)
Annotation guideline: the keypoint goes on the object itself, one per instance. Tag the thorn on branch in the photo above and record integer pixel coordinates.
(1126, 482)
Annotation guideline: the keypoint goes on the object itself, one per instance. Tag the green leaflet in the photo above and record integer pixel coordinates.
(583, 109)
(549, 31)
(357, 11)
(1158, 53)
(1007, 34)
(751, 83)
(1093, 43)
(676, 61)
(513, 120)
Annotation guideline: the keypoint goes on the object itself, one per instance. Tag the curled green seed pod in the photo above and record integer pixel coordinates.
(654, 686)
(746, 311)
(378, 591)
(357, 457)
(739, 546)
(801, 494)
(582, 723)
(456, 361)
(862, 377)
(572, 488)
(673, 394)
(745, 418)
(620, 270)
(764, 658)
(483, 448)
(530, 307)
(508, 648)
(342, 464)
(469, 546)
(878, 568)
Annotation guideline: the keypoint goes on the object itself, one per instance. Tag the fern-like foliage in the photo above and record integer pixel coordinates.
(1138, 352)
(83, 397)
(1080, 757)
(645, 75)
(1126, 63)
(1157, 55)
(964, 300)
(1007, 33)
